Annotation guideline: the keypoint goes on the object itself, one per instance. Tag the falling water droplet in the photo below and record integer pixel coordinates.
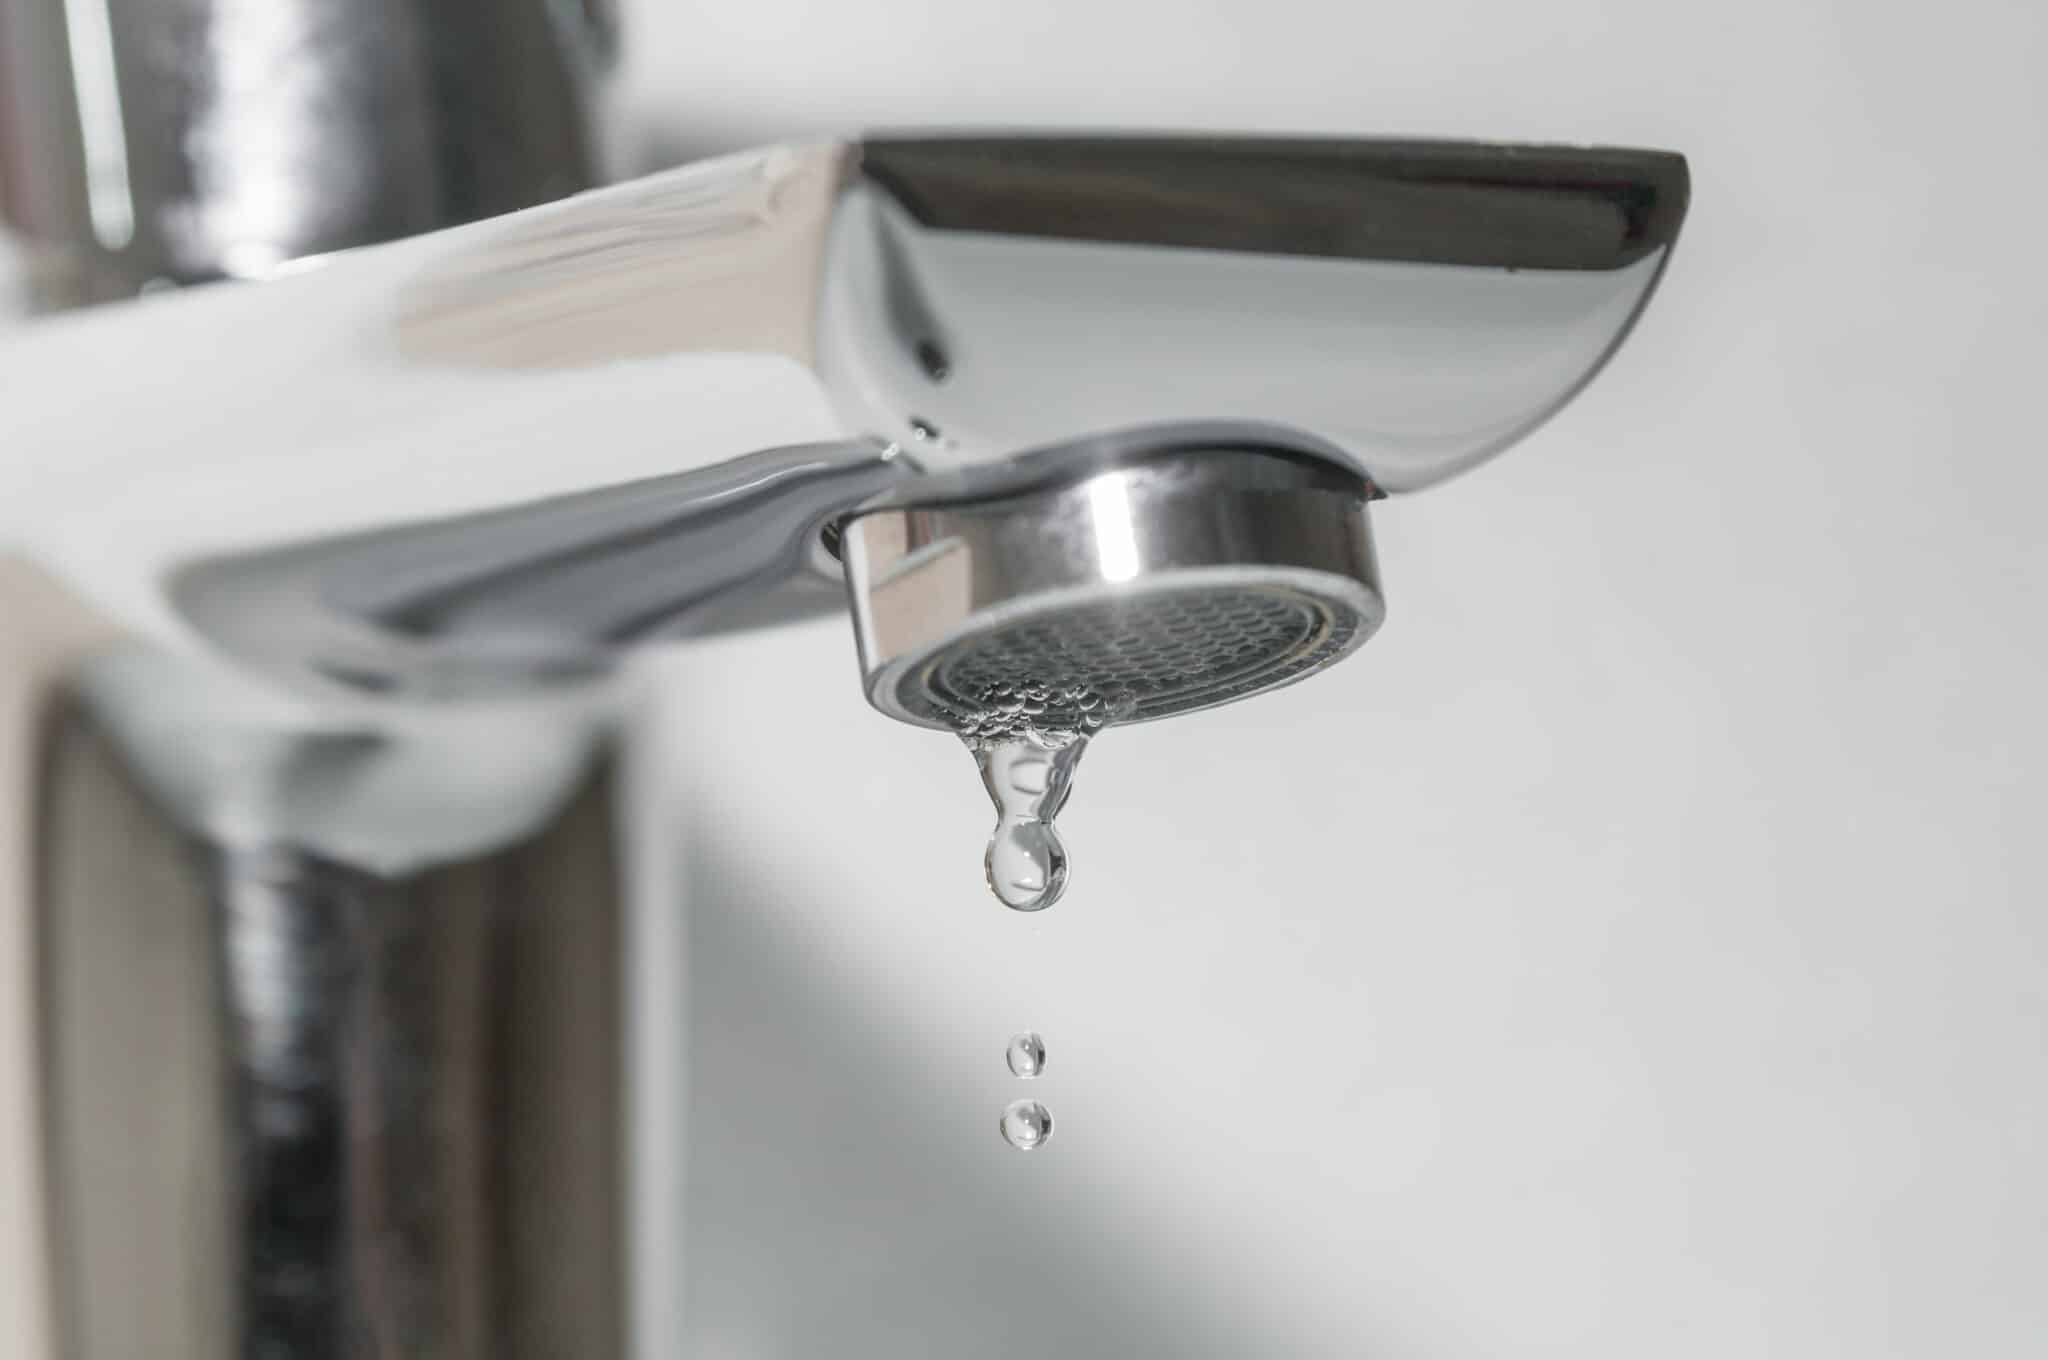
(1028, 775)
(1026, 1054)
(1026, 1125)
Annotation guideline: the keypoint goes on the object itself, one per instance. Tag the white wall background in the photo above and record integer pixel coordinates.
(1641, 948)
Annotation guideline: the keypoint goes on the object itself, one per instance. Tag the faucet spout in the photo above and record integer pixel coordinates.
(947, 317)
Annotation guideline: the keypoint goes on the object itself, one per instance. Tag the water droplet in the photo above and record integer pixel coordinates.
(1027, 865)
(1026, 1125)
(1028, 775)
(1026, 1054)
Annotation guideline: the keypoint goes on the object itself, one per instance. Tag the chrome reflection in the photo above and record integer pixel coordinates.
(543, 594)
(96, 90)
(1018, 312)
(1420, 306)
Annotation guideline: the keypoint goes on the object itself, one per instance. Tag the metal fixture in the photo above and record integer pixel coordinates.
(1099, 416)
(981, 316)
(1409, 307)
(1189, 579)
(153, 145)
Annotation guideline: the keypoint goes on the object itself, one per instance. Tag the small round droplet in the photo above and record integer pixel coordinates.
(1026, 1054)
(1026, 1125)
(1027, 865)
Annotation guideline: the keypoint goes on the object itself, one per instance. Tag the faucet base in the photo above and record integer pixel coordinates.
(363, 1113)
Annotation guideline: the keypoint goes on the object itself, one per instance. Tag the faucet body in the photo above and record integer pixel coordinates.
(357, 552)
(147, 145)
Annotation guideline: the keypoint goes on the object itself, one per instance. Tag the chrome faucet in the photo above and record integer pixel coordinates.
(314, 591)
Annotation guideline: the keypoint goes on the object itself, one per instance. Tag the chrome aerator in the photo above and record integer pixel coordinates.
(1117, 593)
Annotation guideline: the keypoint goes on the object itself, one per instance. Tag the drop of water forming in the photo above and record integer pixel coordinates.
(1026, 1054)
(1027, 865)
(1028, 775)
(1026, 1125)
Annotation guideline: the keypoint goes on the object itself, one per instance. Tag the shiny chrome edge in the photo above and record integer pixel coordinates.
(1187, 517)
(998, 312)
(1494, 205)
(1420, 306)
(546, 594)
(1061, 464)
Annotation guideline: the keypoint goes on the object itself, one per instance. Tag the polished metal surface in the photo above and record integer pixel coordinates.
(150, 144)
(545, 594)
(989, 314)
(300, 1110)
(315, 1008)
(1418, 305)
(1162, 585)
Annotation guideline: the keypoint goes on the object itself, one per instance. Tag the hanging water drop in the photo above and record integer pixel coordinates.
(1026, 1125)
(1028, 775)
(1027, 865)
(1026, 1055)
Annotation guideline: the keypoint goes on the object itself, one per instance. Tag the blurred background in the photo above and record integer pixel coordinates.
(1637, 949)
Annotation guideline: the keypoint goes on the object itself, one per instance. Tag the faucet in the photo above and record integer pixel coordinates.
(314, 595)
